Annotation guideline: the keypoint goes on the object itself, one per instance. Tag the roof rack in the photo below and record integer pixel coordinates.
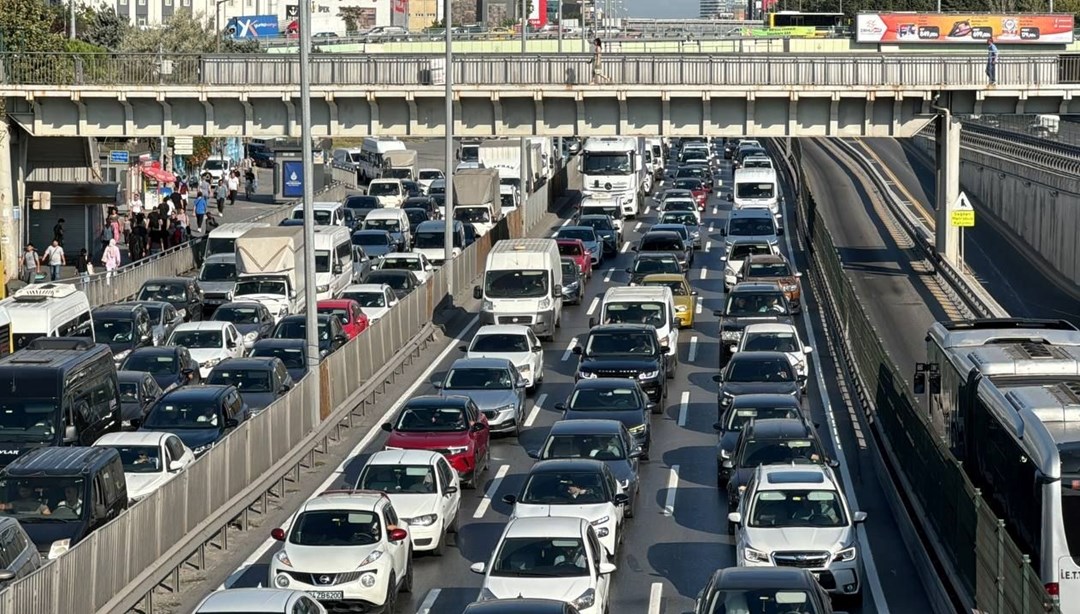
(41, 292)
(61, 343)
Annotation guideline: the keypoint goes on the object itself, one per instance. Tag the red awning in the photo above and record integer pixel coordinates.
(158, 175)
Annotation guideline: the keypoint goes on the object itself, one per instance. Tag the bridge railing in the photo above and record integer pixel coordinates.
(764, 70)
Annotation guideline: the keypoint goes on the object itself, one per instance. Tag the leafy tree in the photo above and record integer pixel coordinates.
(26, 25)
(103, 27)
(352, 16)
(184, 34)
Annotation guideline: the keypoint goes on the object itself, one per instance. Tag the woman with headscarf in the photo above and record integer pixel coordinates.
(111, 259)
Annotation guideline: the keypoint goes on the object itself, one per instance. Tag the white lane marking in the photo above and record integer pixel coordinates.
(485, 503)
(704, 271)
(684, 406)
(429, 601)
(637, 227)
(554, 234)
(692, 355)
(876, 589)
(656, 596)
(607, 276)
(594, 304)
(672, 486)
(535, 411)
(372, 434)
(708, 246)
(697, 308)
(649, 209)
(569, 350)
(625, 247)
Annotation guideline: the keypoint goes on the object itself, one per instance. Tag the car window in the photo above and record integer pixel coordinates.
(336, 528)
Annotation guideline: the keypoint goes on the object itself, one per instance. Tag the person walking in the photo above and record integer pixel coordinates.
(83, 266)
(31, 264)
(111, 260)
(200, 212)
(222, 195)
(597, 67)
(58, 232)
(234, 186)
(249, 183)
(991, 60)
(54, 257)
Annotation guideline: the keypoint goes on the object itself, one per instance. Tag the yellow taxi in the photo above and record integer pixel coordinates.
(680, 288)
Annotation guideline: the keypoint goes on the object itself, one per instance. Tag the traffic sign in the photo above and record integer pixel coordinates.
(962, 214)
(183, 146)
(118, 156)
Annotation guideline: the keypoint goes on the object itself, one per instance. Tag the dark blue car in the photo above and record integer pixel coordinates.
(200, 416)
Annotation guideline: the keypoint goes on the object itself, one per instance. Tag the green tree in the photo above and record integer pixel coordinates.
(103, 27)
(26, 25)
(352, 16)
(184, 34)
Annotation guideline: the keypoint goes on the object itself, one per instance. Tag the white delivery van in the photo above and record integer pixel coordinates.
(431, 242)
(390, 192)
(523, 285)
(393, 221)
(651, 305)
(756, 188)
(222, 240)
(333, 261)
(372, 152)
(325, 213)
(47, 310)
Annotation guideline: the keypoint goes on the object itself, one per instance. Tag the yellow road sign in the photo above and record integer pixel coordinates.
(962, 214)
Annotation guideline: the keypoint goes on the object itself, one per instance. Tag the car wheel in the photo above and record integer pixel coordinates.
(391, 596)
(438, 551)
(407, 582)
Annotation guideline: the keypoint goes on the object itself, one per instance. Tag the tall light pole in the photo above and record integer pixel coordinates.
(71, 18)
(448, 234)
(217, 22)
(311, 320)
(524, 22)
(559, 9)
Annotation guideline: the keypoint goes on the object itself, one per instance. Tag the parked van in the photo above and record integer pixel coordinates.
(757, 188)
(76, 490)
(56, 397)
(523, 285)
(371, 156)
(394, 221)
(222, 240)
(347, 157)
(430, 240)
(18, 554)
(333, 261)
(651, 305)
(48, 310)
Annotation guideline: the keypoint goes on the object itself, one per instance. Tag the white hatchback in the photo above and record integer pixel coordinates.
(777, 337)
(518, 344)
(259, 601)
(150, 459)
(209, 342)
(375, 299)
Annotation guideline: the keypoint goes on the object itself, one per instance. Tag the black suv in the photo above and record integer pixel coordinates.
(767, 587)
(750, 303)
(651, 263)
(183, 293)
(628, 351)
(666, 241)
(741, 411)
(757, 373)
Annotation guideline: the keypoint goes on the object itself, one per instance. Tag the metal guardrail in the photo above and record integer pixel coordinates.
(820, 70)
(984, 565)
(1033, 129)
(1037, 152)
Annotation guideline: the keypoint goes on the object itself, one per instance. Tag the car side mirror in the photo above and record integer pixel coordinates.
(477, 292)
(337, 269)
(70, 434)
(730, 198)
(718, 378)
(341, 338)
(718, 313)
(278, 534)
(509, 499)
(534, 454)
(801, 379)
(175, 465)
(386, 426)
(629, 270)
(450, 490)
(636, 453)
(231, 423)
(592, 322)
(577, 350)
(6, 574)
(478, 567)
(436, 384)
(859, 517)
(477, 427)
(798, 274)
(463, 348)
(693, 293)
(728, 464)
(734, 518)
(607, 568)
(538, 348)
(622, 498)
(723, 232)
(718, 426)
(780, 231)
(835, 464)
(396, 535)
(560, 406)
(808, 350)
(665, 349)
(187, 372)
(136, 423)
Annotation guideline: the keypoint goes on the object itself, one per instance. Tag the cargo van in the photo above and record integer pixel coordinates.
(523, 285)
(431, 243)
(372, 152)
(47, 310)
(756, 188)
(394, 221)
(650, 305)
(333, 261)
(222, 240)
(390, 192)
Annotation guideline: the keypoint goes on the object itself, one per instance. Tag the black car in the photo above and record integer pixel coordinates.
(573, 283)
(729, 149)
(626, 351)
(604, 228)
(667, 241)
(412, 189)
(123, 327)
(362, 205)
(183, 293)
(750, 303)
(170, 365)
(138, 393)
(426, 203)
(416, 217)
(351, 220)
(376, 243)
(252, 320)
(737, 589)
(650, 263)
(610, 398)
(261, 381)
(757, 373)
(744, 409)
(292, 352)
(200, 416)
(402, 282)
(163, 318)
(331, 334)
(520, 605)
(784, 441)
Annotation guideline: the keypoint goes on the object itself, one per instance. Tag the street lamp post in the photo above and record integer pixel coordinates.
(217, 21)
(311, 320)
(448, 210)
(524, 22)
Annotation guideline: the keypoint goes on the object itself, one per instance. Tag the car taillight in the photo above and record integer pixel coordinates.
(1054, 590)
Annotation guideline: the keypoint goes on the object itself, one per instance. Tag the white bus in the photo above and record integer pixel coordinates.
(333, 261)
(47, 310)
(371, 156)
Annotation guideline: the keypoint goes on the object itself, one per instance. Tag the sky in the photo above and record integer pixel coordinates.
(660, 9)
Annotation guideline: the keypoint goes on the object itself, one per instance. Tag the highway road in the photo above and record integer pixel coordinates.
(679, 535)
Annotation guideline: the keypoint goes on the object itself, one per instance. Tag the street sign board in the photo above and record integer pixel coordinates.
(183, 146)
(963, 214)
(118, 156)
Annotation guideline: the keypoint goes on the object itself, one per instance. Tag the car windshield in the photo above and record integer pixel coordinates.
(516, 284)
(615, 344)
(114, 331)
(754, 190)
(797, 508)
(688, 183)
(606, 163)
(129, 391)
(753, 369)
(140, 459)
(215, 165)
(750, 227)
(336, 528)
(570, 270)
(322, 262)
(768, 269)
(237, 315)
(757, 303)
(154, 311)
(292, 357)
(387, 225)
(218, 271)
(586, 235)
(739, 418)
(472, 214)
(154, 364)
(398, 479)
(597, 223)
(646, 266)
(42, 499)
(612, 211)
(686, 218)
(679, 205)
(564, 488)
(396, 282)
(500, 342)
(362, 202)
(779, 452)
(652, 314)
(402, 264)
(541, 557)
(169, 293)
(323, 217)
(740, 251)
(296, 328)
(196, 338)
(604, 399)
(678, 286)
(472, 378)
(367, 299)
(756, 163)
(570, 249)
(416, 216)
(193, 414)
(660, 244)
(771, 342)
(598, 447)
(245, 380)
(370, 239)
(384, 189)
(507, 201)
(690, 171)
(425, 419)
(762, 601)
(31, 420)
(429, 240)
(425, 175)
(247, 288)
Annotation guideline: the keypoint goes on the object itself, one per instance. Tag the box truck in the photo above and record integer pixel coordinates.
(270, 268)
(477, 200)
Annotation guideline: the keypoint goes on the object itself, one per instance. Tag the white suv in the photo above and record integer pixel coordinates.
(423, 487)
(345, 548)
(797, 516)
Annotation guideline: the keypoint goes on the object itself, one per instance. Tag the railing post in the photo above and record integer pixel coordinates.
(999, 580)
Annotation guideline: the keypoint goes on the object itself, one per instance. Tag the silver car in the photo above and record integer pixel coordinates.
(496, 387)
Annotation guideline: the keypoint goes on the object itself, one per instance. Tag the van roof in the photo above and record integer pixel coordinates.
(36, 309)
(235, 229)
(61, 461)
(53, 359)
(755, 174)
(525, 245)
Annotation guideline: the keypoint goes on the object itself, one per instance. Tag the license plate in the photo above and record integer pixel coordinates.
(327, 595)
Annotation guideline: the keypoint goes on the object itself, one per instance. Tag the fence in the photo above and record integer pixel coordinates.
(114, 568)
(367, 70)
(988, 567)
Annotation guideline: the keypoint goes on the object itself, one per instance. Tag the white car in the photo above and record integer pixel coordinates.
(423, 488)
(375, 299)
(581, 488)
(259, 601)
(680, 203)
(777, 337)
(518, 344)
(209, 342)
(408, 261)
(345, 546)
(737, 252)
(555, 558)
(150, 459)
(426, 176)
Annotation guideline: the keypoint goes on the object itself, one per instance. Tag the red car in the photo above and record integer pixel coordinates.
(575, 249)
(696, 187)
(451, 425)
(348, 311)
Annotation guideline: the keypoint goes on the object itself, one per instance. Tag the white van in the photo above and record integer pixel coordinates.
(333, 261)
(390, 192)
(756, 188)
(652, 305)
(347, 157)
(371, 156)
(48, 310)
(222, 240)
(523, 285)
(393, 221)
(325, 213)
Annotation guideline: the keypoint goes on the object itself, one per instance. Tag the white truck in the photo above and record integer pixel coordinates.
(476, 198)
(505, 156)
(616, 166)
(547, 157)
(656, 148)
(523, 285)
(468, 155)
(400, 164)
(270, 268)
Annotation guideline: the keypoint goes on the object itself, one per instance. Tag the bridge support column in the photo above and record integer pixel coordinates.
(10, 245)
(947, 238)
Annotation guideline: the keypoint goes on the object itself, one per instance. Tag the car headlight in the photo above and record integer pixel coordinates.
(121, 355)
(846, 555)
(664, 342)
(624, 484)
(59, 547)
(600, 521)
(501, 409)
(729, 273)
(755, 556)
(487, 305)
(790, 287)
(648, 374)
(210, 364)
(325, 288)
(283, 558)
(638, 430)
(680, 309)
(229, 296)
(423, 521)
(587, 375)
(726, 397)
(201, 449)
(486, 595)
(524, 368)
(252, 336)
(730, 335)
(725, 454)
(585, 600)
(452, 450)
(371, 558)
(545, 303)
(392, 448)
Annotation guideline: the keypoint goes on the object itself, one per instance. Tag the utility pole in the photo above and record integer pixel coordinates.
(448, 210)
(71, 17)
(524, 23)
(311, 320)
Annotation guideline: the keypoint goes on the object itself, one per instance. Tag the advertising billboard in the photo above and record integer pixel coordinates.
(538, 13)
(292, 181)
(963, 28)
(253, 26)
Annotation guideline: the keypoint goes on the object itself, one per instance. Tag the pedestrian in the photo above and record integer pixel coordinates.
(182, 221)
(105, 236)
(54, 257)
(83, 266)
(58, 232)
(222, 195)
(597, 68)
(135, 207)
(991, 60)
(200, 211)
(177, 201)
(111, 260)
(204, 186)
(234, 186)
(249, 183)
(163, 208)
(31, 264)
(184, 195)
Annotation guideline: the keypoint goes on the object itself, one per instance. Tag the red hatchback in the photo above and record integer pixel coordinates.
(696, 187)
(353, 319)
(575, 249)
(451, 425)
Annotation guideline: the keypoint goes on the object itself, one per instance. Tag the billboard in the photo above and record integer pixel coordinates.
(252, 26)
(292, 181)
(963, 28)
(538, 13)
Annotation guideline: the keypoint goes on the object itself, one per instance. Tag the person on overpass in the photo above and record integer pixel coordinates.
(597, 68)
(991, 60)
